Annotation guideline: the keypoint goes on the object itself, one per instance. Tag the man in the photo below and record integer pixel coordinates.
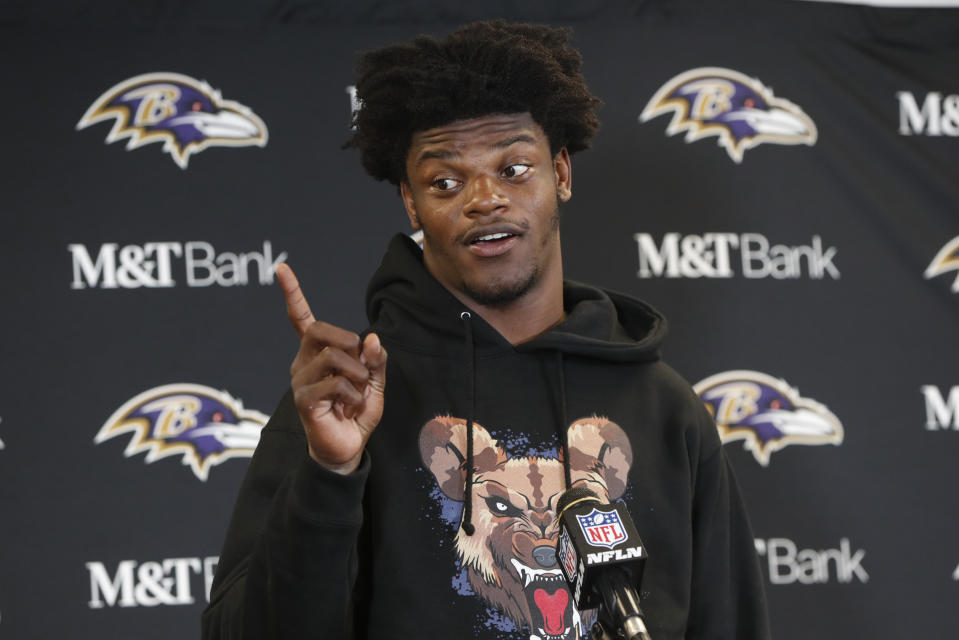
(414, 495)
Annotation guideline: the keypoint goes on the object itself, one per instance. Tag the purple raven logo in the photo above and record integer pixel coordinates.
(186, 115)
(741, 111)
(945, 261)
(766, 413)
(201, 424)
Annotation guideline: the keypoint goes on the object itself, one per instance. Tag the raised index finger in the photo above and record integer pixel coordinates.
(296, 306)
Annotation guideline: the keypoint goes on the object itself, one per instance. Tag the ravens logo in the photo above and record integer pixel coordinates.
(740, 111)
(199, 423)
(945, 261)
(186, 115)
(766, 413)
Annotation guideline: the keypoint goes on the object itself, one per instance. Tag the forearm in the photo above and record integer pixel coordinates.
(289, 558)
(298, 580)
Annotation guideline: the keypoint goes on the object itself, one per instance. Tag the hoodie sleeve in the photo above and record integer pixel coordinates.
(290, 558)
(727, 592)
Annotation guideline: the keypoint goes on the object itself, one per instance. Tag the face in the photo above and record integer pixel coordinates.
(486, 193)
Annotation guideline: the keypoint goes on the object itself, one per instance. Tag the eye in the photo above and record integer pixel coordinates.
(515, 170)
(501, 507)
(444, 184)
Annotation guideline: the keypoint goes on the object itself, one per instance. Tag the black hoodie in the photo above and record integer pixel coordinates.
(390, 551)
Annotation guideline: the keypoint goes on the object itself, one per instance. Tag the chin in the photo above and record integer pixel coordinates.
(498, 293)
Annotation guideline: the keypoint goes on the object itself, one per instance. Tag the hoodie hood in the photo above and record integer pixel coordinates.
(407, 305)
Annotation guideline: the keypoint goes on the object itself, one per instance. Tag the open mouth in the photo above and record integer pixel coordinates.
(490, 245)
(554, 616)
(492, 237)
(493, 240)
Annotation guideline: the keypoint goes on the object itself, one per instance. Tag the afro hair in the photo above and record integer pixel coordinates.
(480, 69)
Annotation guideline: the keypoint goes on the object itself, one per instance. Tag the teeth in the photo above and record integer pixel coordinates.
(492, 236)
(528, 574)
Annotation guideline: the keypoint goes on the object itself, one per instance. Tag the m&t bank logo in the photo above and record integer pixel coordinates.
(726, 255)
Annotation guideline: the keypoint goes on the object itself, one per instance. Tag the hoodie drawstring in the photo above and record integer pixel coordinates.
(562, 429)
(563, 426)
(468, 527)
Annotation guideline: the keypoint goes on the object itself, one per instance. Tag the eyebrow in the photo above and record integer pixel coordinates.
(437, 155)
(510, 141)
(445, 154)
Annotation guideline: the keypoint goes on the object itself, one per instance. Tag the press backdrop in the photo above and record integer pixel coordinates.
(779, 178)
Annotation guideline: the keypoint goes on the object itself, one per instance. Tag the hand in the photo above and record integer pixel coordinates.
(337, 380)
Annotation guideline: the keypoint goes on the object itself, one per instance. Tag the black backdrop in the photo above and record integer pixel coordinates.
(108, 297)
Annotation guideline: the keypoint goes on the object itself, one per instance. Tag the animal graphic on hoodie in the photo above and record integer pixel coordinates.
(510, 560)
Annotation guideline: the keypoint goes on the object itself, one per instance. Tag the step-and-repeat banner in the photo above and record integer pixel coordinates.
(779, 178)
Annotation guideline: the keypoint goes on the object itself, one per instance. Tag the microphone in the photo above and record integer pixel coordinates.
(602, 558)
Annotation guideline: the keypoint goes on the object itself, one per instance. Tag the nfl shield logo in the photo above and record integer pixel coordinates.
(602, 528)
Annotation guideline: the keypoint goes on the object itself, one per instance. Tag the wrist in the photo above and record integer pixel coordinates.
(342, 468)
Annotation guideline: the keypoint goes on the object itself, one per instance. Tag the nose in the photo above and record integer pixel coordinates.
(545, 555)
(485, 196)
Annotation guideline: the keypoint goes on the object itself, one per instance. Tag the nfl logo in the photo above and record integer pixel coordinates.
(602, 528)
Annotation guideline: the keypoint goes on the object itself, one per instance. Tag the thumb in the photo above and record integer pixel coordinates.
(374, 357)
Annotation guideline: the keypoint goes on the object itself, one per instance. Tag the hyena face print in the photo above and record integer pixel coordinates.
(510, 559)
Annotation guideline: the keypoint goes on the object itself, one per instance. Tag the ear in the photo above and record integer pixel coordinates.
(600, 451)
(443, 450)
(563, 169)
(407, 194)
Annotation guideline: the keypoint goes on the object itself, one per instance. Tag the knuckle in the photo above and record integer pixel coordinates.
(301, 398)
(296, 365)
(326, 359)
(313, 332)
(345, 388)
